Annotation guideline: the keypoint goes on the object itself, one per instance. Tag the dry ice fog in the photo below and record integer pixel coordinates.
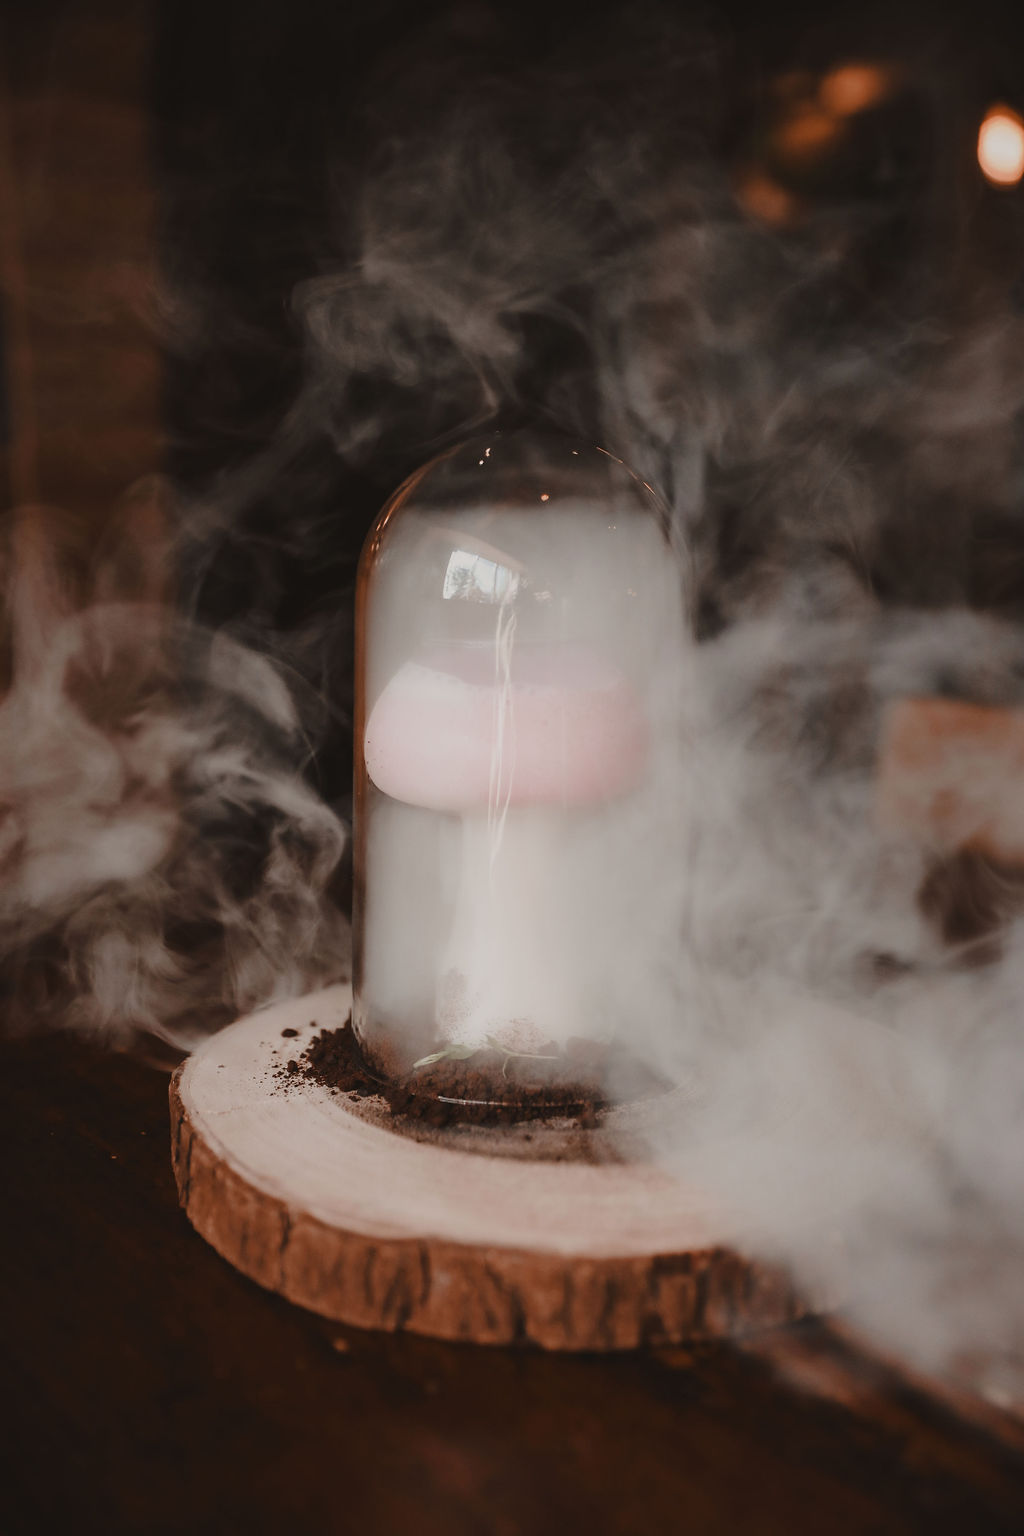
(702, 864)
(522, 649)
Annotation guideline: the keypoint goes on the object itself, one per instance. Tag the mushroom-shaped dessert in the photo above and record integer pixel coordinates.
(518, 741)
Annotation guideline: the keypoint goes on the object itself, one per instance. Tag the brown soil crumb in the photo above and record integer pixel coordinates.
(464, 1092)
(289, 1034)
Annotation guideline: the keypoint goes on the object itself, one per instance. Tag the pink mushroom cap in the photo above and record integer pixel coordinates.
(453, 731)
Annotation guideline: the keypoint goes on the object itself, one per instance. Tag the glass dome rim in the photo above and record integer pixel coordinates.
(400, 499)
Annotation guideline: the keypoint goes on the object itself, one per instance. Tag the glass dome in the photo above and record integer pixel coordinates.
(519, 620)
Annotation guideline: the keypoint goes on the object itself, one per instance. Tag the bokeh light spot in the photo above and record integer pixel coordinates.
(852, 88)
(1001, 147)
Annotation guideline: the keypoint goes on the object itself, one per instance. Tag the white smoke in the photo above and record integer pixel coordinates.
(165, 866)
(859, 1088)
(837, 437)
(834, 425)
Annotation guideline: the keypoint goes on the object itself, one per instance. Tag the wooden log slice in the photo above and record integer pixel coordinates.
(312, 1197)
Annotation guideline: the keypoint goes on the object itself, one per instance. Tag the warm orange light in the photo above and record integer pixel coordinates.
(852, 88)
(1001, 147)
(805, 133)
(765, 200)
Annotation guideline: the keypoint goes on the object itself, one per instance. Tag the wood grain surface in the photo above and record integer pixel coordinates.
(305, 1193)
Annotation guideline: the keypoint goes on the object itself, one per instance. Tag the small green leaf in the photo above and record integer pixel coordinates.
(428, 1061)
(450, 1053)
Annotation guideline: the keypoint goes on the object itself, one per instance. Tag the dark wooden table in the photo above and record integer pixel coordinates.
(150, 1388)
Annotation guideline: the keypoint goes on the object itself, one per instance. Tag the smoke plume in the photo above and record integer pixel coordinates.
(828, 400)
(165, 864)
(815, 358)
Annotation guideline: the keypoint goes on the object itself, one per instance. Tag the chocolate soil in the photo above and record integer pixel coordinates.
(489, 1088)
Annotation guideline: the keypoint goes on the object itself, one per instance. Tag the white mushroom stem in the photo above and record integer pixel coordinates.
(506, 973)
(518, 744)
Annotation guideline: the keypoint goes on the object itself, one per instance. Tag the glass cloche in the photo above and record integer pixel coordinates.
(519, 629)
